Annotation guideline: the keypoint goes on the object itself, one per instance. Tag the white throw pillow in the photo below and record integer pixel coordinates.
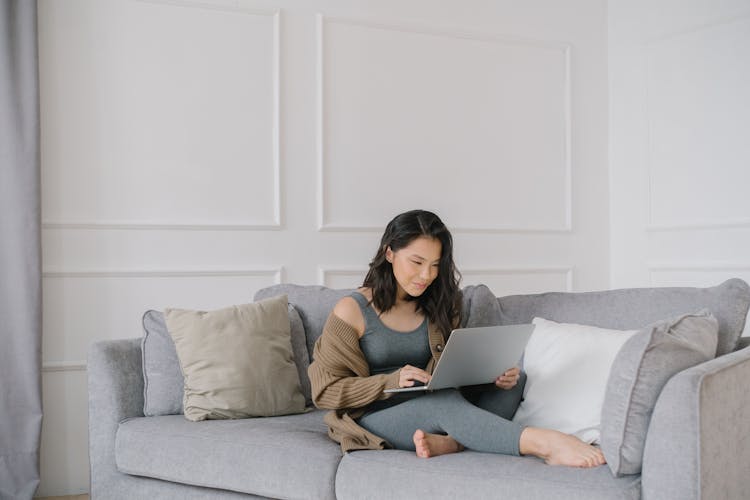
(567, 366)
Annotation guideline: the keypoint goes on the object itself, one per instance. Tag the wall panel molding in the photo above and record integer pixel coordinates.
(719, 270)
(277, 220)
(276, 273)
(524, 276)
(221, 7)
(324, 217)
(325, 273)
(700, 266)
(739, 222)
(648, 50)
(64, 366)
(565, 271)
(163, 225)
(86, 305)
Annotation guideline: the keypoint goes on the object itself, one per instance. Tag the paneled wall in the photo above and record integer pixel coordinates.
(679, 141)
(194, 152)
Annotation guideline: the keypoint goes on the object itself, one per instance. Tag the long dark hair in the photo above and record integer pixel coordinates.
(441, 301)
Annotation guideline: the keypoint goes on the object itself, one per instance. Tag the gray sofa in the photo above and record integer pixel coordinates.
(697, 446)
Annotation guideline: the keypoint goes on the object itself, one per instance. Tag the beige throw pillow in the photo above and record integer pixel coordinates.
(236, 362)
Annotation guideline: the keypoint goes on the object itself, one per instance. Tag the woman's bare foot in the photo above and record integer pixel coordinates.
(432, 445)
(557, 448)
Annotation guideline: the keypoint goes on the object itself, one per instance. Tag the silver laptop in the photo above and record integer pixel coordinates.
(476, 356)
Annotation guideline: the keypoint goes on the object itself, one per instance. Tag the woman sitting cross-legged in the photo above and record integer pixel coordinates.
(389, 334)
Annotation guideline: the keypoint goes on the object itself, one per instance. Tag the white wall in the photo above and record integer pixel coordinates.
(679, 74)
(193, 153)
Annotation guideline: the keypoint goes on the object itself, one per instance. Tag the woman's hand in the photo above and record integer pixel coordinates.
(509, 379)
(409, 374)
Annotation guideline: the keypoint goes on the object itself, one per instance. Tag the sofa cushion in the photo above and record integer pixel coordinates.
(162, 376)
(395, 474)
(635, 308)
(641, 369)
(277, 457)
(237, 361)
(299, 351)
(567, 366)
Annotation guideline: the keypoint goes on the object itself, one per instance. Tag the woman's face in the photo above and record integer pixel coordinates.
(415, 266)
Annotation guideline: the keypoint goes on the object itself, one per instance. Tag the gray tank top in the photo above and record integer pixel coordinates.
(387, 350)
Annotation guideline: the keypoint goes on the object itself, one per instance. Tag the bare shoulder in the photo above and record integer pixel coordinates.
(348, 310)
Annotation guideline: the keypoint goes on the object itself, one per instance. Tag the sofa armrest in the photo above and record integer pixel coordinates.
(115, 385)
(698, 442)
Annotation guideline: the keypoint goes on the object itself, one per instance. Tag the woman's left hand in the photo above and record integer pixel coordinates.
(509, 379)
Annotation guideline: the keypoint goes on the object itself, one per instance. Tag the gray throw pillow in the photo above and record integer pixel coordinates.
(162, 377)
(237, 361)
(641, 369)
(299, 350)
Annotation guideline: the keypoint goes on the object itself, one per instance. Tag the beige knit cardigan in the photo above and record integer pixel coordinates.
(341, 381)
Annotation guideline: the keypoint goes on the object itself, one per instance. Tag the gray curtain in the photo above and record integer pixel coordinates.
(20, 252)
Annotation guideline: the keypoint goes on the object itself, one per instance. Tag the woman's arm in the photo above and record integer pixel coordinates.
(339, 374)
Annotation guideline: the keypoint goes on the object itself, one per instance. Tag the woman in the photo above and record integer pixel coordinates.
(389, 334)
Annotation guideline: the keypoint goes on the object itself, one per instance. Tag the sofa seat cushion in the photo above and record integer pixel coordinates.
(280, 457)
(400, 474)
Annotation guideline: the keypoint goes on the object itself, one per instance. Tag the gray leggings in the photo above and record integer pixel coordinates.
(479, 421)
